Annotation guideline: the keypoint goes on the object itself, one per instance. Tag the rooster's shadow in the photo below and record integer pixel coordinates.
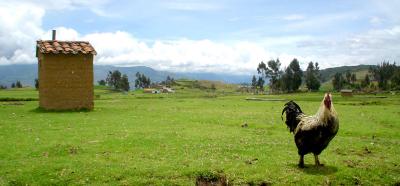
(317, 170)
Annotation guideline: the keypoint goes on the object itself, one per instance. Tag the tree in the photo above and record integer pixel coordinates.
(286, 81)
(116, 81)
(353, 79)
(272, 72)
(124, 83)
(291, 80)
(113, 79)
(12, 85)
(297, 73)
(142, 81)
(36, 83)
(312, 77)
(338, 81)
(366, 82)
(3, 87)
(18, 84)
(396, 79)
(254, 82)
(169, 81)
(102, 82)
(138, 82)
(348, 77)
(260, 83)
(383, 73)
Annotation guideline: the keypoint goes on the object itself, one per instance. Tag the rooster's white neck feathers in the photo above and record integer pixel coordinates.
(324, 112)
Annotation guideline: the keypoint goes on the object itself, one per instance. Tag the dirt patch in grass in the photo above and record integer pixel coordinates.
(352, 163)
(340, 151)
(73, 150)
(210, 178)
(62, 150)
(365, 151)
(252, 161)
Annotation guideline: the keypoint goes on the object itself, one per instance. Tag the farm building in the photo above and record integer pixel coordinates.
(346, 93)
(151, 91)
(65, 74)
(167, 90)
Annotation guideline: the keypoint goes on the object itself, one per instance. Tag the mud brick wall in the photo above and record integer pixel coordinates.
(65, 81)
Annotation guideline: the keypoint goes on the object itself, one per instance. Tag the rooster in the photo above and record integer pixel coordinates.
(312, 134)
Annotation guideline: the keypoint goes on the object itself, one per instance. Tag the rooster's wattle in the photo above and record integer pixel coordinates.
(312, 134)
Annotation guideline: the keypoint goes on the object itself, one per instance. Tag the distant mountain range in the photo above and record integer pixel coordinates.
(28, 72)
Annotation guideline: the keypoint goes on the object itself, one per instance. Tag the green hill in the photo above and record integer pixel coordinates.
(360, 71)
(327, 74)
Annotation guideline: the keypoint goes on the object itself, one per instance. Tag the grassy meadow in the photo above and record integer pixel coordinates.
(169, 139)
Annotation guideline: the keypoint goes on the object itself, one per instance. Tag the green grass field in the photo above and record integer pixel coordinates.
(169, 139)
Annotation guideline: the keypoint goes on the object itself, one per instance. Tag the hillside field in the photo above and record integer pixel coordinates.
(169, 139)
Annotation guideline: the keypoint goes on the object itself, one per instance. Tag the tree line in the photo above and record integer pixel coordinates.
(118, 81)
(289, 79)
(17, 84)
(115, 79)
(347, 80)
(386, 75)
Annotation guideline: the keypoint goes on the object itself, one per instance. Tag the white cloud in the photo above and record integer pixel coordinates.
(62, 33)
(370, 47)
(20, 25)
(183, 55)
(121, 48)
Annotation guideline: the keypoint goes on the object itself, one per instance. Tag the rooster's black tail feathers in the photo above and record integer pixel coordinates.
(292, 110)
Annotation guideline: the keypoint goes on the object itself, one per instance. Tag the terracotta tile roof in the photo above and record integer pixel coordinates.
(65, 47)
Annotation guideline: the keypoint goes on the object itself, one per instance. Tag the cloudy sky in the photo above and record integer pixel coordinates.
(230, 36)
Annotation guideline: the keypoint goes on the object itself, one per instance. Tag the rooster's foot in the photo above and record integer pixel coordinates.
(301, 161)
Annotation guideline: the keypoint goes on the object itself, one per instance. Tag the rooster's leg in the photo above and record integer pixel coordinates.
(317, 163)
(301, 161)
